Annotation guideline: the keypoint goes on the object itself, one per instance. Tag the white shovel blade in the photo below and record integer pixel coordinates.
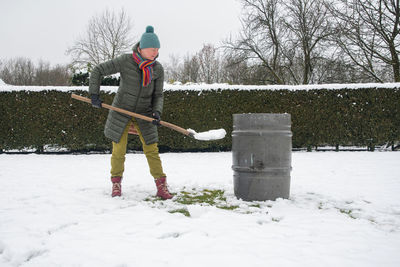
(209, 135)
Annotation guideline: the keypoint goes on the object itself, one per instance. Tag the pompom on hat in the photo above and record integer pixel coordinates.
(149, 39)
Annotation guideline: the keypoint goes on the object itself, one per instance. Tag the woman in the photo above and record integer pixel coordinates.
(140, 91)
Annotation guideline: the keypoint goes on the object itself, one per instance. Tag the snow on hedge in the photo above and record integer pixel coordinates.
(203, 87)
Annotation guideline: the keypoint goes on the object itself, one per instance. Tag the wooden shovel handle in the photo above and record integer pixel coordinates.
(133, 114)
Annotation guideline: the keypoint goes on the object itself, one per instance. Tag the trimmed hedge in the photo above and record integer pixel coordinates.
(359, 117)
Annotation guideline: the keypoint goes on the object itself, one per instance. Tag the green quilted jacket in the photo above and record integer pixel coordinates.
(130, 95)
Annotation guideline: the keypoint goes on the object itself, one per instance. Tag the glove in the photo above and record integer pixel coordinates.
(157, 118)
(96, 102)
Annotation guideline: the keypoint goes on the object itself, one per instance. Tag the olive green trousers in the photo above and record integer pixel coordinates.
(150, 151)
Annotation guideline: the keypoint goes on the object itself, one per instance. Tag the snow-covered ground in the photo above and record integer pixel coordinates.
(56, 210)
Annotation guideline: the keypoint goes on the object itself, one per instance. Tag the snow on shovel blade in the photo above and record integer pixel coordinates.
(209, 135)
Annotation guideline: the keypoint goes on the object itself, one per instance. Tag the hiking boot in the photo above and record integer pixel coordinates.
(116, 188)
(162, 189)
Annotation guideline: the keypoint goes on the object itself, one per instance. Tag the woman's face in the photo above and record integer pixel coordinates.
(149, 53)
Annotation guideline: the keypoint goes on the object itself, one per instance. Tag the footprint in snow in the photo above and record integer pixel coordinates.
(170, 235)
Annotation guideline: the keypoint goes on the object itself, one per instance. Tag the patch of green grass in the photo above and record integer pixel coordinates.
(233, 207)
(183, 211)
(150, 199)
(206, 196)
(347, 212)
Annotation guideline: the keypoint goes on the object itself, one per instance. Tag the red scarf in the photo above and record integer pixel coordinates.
(147, 68)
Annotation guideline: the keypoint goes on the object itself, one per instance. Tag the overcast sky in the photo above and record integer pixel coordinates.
(44, 29)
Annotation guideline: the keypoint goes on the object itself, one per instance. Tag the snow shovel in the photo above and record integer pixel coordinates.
(204, 136)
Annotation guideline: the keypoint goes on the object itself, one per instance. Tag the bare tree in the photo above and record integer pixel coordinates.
(57, 75)
(191, 68)
(107, 36)
(235, 69)
(209, 64)
(205, 66)
(369, 34)
(287, 38)
(18, 71)
(22, 71)
(42, 73)
(173, 70)
(308, 21)
(261, 37)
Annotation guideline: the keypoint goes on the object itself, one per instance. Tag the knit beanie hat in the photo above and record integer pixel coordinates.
(149, 39)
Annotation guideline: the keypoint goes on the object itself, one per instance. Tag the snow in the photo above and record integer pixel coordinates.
(56, 210)
(2, 83)
(206, 87)
(209, 135)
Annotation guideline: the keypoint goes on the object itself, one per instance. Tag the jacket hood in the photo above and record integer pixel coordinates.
(135, 47)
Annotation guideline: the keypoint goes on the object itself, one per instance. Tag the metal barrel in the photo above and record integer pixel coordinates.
(261, 156)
